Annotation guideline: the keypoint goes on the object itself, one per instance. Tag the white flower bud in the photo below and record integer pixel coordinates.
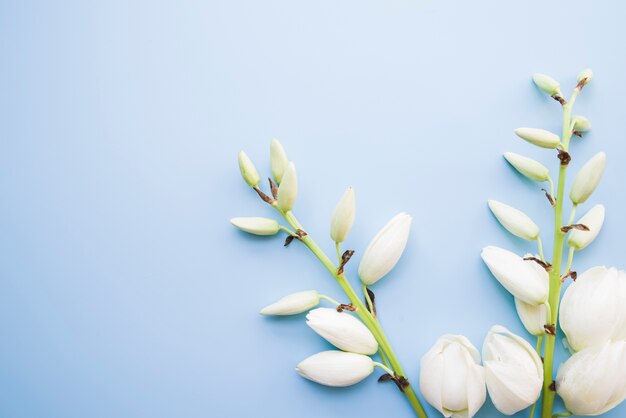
(451, 377)
(581, 123)
(517, 275)
(336, 368)
(342, 330)
(547, 84)
(513, 371)
(343, 216)
(534, 316)
(515, 221)
(256, 226)
(384, 251)
(593, 381)
(288, 189)
(594, 219)
(278, 160)
(593, 310)
(294, 303)
(248, 170)
(539, 137)
(587, 178)
(585, 76)
(532, 169)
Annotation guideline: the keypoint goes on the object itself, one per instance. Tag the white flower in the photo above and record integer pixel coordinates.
(593, 309)
(342, 330)
(539, 137)
(256, 226)
(288, 189)
(593, 381)
(343, 216)
(384, 251)
(336, 368)
(585, 76)
(534, 316)
(248, 170)
(532, 169)
(517, 275)
(513, 371)
(594, 219)
(451, 377)
(294, 303)
(278, 160)
(514, 220)
(581, 123)
(587, 178)
(547, 84)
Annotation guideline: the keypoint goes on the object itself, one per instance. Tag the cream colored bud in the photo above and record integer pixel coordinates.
(278, 160)
(256, 226)
(288, 189)
(248, 170)
(336, 368)
(585, 76)
(292, 304)
(539, 137)
(343, 330)
(514, 220)
(581, 123)
(343, 216)
(533, 316)
(547, 84)
(587, 178)
(385, 249)
(594, 219)
(530, 168)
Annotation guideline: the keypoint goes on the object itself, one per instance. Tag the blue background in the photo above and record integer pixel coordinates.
(124, 291)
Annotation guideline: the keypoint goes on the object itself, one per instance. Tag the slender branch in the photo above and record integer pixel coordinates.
(329, 299)
(540, 248)
(368, 319)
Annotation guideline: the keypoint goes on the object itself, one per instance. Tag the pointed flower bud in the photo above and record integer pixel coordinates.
(294, 303)
(587, 178)
(256, 226)
(451, 377)
(288, 189)
(593, 381)
(343, 216)
(532, 169)
(248, 170)
(342, 330)
(336, 368)
(592, 310)
(539, 137)
(513, 371)
(581, 123)
(515, 221)
(594, 219)
(385, 249)
(585, 76)
(547, 84)
(516, 275)
(278, 160)
(534, 316)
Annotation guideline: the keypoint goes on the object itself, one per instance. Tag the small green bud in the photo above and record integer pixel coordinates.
(547, 84)
(278, 160)
(288, 189)
(256, 226)
(532, 169)
(539, 137)
(587, 178)
(248, 170)
(594, 219)
(581, 123)
(584, 77)
(514, 220)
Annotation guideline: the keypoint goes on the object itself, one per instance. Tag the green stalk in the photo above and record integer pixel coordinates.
(555, 275)
(368, 319)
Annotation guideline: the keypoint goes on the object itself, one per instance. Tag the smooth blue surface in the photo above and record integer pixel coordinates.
(124, 292)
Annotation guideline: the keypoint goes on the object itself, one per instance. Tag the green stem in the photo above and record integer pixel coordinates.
(370, 322)
(338, 248)
(540, 248)
(329, 299)
(555, 275)
(382, 366)
(367, 297)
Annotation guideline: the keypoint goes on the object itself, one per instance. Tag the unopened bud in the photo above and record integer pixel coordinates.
(288, 189)
(514, 220)
(594, 219)
(278, 160)
(294, 303)
(343, 216)
(530, 168)
(256, 226)
(248, 170)
(539, 137)
(547, 84)
(584, 77)
(588, 178)
(581, 123)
